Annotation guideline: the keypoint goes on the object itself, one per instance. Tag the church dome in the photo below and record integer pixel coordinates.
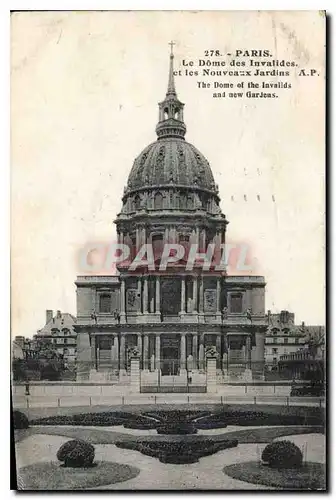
(171, 161)
(170, 175)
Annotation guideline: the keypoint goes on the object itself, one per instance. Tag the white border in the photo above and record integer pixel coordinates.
(5, 8)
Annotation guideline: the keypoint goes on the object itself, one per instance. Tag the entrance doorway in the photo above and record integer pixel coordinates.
(170, 363)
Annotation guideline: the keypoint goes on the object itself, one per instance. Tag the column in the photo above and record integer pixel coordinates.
(201, 296)
(201, 352)
(115, 350)
(203, 239)
(94, 351)
(225, 356)
(183, 352)
(139, 295)
(248, 352)
(137, 237)
(145, 352)
(183, 287)
(194, 346)
(218, 296)
(122, 352)
(145, 295)
(122, 301)
(157, 295)
(139, 344)
(197, 238)
(194, 308)
(143, 236)
(152, 301)
(157, 351)
(219, 350)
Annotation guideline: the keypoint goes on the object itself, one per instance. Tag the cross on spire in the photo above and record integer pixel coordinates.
(171, 85)
(171, 47)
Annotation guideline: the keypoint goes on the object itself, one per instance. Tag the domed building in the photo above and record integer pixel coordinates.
(171, 312)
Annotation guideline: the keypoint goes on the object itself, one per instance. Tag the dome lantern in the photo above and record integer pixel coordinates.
(171, 122)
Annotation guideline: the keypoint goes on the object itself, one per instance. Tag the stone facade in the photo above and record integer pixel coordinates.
(172, 316)
(282, 337)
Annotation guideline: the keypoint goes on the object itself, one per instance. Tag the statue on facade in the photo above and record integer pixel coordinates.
(116, 315)
(94, 317)
(249, 313)
(224, 313)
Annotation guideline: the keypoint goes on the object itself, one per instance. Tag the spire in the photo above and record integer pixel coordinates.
(171, 83)
(171, 122)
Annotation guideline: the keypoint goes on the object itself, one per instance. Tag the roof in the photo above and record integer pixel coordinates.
(60, 321)
(168, 162)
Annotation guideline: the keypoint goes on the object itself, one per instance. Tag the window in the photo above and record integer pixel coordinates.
(158, 201)
(183, 200)
(285, 341)
(297, 340)
(274, 350)
(137, 202)
(105, 303)
(236, 303)
(157, 245)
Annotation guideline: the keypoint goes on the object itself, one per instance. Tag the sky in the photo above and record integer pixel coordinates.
(84, 94)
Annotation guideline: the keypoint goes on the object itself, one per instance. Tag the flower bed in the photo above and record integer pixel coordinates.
(186, 421)
(178, 451)
(103, 419)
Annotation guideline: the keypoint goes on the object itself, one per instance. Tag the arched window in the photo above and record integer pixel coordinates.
(137, 202)
(165, 113)
(158, 201)
(183, 201)
(157, 245)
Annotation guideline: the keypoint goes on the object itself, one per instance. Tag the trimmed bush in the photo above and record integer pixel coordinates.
(282, 455)
(20, 421)
(76, 453)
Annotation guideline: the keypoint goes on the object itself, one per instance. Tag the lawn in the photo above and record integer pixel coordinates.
(101, 436)
(53, 476)
(311, 476)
